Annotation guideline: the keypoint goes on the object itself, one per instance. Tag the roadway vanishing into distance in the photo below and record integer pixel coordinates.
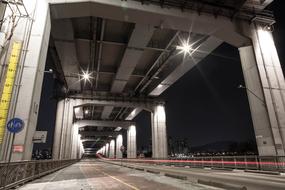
(89, 175)
(95, 174)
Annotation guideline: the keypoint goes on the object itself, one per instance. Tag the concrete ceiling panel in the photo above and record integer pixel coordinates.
(83, 51)
(139, 38)
(62, 29)
(112, 54)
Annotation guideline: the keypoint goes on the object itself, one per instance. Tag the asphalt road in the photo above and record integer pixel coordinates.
(252, 181)
(89, 175)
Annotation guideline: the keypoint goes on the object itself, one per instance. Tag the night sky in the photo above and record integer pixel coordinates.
(204, 105)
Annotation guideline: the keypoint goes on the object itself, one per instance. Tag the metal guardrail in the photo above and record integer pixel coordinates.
(15, 173)
(264, 163)
(261, 163)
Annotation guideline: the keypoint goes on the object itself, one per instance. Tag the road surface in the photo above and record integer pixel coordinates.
(89, 175)
(252, 181)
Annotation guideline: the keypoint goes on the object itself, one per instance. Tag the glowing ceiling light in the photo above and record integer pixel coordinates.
(185, 47)
(86, 111)
(86, 76)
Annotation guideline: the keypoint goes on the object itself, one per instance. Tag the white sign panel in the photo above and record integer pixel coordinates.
(40, 137)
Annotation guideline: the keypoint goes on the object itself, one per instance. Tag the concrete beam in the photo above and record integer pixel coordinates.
(116, 101)
(140, 37)
(202, 51)
(99, 133)
(152, 15)
(257, 4)
(93, 140)
(102, 123)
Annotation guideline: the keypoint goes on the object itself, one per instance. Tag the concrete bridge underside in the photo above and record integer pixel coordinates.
(128, 50)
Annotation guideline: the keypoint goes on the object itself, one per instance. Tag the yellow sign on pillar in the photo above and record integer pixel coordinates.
(8, 86)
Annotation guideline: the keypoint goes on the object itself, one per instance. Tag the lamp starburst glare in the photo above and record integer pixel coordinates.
(185, 47)
(86, 76)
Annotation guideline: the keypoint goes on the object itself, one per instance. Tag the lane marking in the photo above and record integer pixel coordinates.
(129, 185)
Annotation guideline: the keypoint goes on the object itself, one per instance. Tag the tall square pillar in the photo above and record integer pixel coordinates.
(265, 87)
(131, 142)
(119, 143)
(107, 150)
(159, 137)
(112, 149)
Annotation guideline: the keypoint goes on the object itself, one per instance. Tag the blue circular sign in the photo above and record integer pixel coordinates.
(15, 125)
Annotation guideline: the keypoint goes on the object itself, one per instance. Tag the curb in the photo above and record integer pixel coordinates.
(153, 172)
(223, 169)
(263, 172)
(221, 185)
(176, 176)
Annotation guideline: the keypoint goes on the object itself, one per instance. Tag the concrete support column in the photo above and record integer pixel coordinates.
(107, 150)
(112, 149)
(266, 91)
(78, 147)
(104, 151)
(132, 142)
(57, 130)
(81, 148)
(74, 141)
(30, 76)
(69, 134)
(159, 137)
(119, 143)
(64, 130)
(66, 133)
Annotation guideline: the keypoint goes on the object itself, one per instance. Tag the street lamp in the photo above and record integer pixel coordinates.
(185, 47)
(49, 71)
(86, 76)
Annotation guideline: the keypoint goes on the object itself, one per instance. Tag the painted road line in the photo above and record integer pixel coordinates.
(129, 185)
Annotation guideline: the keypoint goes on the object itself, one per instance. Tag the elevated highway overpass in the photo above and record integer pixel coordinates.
(115, 58)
